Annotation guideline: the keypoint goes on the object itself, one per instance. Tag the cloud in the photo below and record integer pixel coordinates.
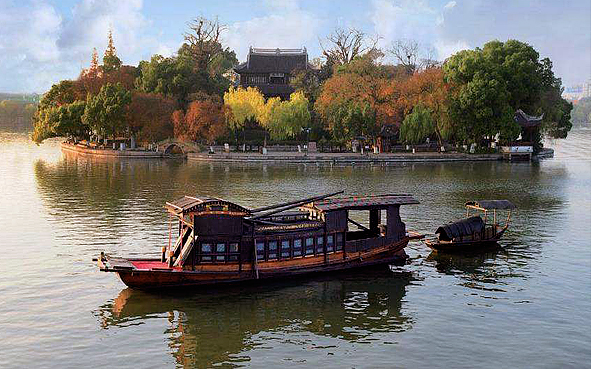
(445, 49)
(450, 5)
(35, 51)
(284, 29)
(417, 21)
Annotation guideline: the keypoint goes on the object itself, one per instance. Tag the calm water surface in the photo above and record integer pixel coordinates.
(528, 305)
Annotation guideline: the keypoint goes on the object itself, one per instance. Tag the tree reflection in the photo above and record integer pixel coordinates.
(215, 327)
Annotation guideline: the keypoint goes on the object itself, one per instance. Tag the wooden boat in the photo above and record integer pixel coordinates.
(221, 242)
(473, 233)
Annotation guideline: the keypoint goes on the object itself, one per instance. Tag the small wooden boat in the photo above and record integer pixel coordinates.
(473, 233)
(221, 242)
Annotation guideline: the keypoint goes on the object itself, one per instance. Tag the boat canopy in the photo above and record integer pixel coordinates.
(190, 204)
(361, 202)
(491, 204)
(461, 228)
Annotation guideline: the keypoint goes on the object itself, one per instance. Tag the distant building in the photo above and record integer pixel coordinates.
(574, 93)
(271, 70)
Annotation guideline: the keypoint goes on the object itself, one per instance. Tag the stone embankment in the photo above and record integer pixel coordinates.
(340, 158)
(89, 151)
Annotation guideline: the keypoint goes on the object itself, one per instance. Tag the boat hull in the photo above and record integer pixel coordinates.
(466, 246)
(209, 275)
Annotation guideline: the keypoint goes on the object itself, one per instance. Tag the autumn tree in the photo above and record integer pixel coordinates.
(150, 116)
(111, 61)
(205, 120)
(351, 101)
(286, 119)
(428, 89)
(244, 105)
(105, 112)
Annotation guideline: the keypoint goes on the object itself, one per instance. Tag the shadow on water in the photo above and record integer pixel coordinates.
(217, 326)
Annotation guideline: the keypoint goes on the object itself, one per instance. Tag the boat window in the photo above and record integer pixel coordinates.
(221, 248)
(320, 244)
(339, 245)
(309, 246)
(233, 248)
(330, 243)
(297, 247)
(206, 248)
(285, 249)
(260, 250)
(272, 249)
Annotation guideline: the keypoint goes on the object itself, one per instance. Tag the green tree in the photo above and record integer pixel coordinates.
(60, 121)
(417, 126)
(285, 119)
(521, 81)
(105, 112)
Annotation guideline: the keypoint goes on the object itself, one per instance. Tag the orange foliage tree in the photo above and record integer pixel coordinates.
(150, 116)
(205, 119)
(428, 89)
(352, 102)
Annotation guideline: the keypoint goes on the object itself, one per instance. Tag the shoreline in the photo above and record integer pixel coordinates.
(341, 158)
(88, 151)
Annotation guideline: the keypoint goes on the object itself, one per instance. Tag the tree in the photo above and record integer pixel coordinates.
(285, 119)
(521, 80)
(205, 119)
(203, 41)
(352, 101)
(244, 105)
(58, 121)
(150, 116)
(111, 61)
(344, 45)
(428, 89)
(105, 112)
(409, 54)
(417, 126)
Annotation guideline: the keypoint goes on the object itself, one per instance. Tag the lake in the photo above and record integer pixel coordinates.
(527, 305)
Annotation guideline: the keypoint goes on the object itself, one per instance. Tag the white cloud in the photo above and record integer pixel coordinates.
(450, 5)
(417, 21)
(291, 29)
(446, 49)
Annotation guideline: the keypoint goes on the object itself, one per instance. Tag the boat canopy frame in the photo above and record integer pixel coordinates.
(487, 205)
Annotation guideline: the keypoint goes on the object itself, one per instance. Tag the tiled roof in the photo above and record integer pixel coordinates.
(362, 202)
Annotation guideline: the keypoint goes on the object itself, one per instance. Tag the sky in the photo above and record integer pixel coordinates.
(44, 41)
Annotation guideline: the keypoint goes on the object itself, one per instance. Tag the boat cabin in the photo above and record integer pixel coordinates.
(476, 228)
(215, 231)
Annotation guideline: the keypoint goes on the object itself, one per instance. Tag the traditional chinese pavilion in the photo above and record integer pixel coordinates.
(271, 70)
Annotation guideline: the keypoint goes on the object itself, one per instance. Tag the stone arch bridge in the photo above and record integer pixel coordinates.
(176, 147)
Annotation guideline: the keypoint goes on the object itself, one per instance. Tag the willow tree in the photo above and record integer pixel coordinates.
(244, 106)
(286, 119)
(417, 126)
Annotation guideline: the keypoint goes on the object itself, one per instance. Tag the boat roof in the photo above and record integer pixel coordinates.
(361, 202)
(191, 204)
(491, 204)
(464, 227)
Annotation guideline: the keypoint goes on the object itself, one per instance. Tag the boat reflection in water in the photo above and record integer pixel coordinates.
(218, 327)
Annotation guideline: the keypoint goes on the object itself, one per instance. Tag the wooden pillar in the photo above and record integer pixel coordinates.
(374, 219)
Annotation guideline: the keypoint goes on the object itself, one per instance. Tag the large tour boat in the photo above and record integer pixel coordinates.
(220, 242)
